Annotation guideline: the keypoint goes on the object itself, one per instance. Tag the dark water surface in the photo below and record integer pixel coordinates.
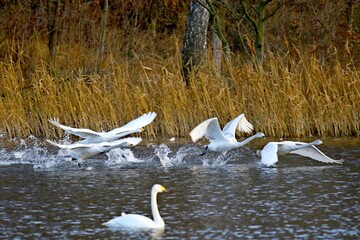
(231, 198)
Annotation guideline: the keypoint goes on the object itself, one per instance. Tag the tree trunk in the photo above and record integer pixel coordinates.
(194, 44)
(259, 40)
(103, 23)
(53, 10)
(259, 24)
(217, 52)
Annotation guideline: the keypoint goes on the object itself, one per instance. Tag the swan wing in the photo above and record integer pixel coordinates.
(137, 123)
(269, 154)
(103, 145)
(80, 132)
(316, 154)
(71, 146)
(209, 129)
(131, 221)
(68, 146)
(240, 123)
(124, 142)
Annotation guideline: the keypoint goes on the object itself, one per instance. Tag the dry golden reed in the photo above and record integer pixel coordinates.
(285, 98)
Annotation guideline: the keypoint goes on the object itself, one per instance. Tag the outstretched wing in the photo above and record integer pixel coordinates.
(137, 123)
(70, 146)
(240, 123)
(269, 154)
(80, 132)
(209, 129)
(316, 154)
(124, 142)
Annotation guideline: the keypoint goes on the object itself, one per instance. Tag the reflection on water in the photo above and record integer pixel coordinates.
(43, 195)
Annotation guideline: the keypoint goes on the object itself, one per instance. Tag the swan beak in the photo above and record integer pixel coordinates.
(163, 188)
(143, 129)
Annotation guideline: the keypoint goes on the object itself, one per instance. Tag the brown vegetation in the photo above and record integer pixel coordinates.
(308, 85)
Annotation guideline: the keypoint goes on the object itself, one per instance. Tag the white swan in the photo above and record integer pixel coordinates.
(271, 151)
(80, 151)
(91, 136)
(222, 141)
(140, 221)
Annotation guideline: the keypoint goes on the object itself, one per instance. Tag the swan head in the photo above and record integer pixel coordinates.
(259, 135)
(158, 188)
(317, 142)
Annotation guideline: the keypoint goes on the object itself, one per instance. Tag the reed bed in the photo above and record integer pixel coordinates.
(284, 98)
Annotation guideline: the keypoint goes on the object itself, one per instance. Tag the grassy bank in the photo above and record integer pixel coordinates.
(288, 97)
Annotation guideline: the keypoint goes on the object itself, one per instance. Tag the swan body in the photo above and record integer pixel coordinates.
(221, 141)
(140, 221)
(271, 151)
(90, 136)
(81, 151)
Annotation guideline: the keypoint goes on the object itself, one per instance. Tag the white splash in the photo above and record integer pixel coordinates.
(120, 156)
(215, 159)
(162, 151)
(5, 158)
(178, 158)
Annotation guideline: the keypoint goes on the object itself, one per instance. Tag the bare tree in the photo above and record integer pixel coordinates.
(53, 11)
(219, 42)
(258, 22)
(195, 44)
(103, 23)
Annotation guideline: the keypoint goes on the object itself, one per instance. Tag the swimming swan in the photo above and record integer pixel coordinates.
(221, 141)
(91, 136)
(271, 151)
(80, 151)
(140, 221)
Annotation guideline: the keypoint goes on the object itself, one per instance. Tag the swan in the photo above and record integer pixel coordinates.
(222, 141)
(269, 154)
(81, 151)
(91, 136)
(140, 221)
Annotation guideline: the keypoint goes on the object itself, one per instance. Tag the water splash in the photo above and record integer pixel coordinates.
(120, 156)
(29, 151)
(162, 151)
(185, 154)
(216, 159)
(48, 162)
(5, 157)
(179, 157)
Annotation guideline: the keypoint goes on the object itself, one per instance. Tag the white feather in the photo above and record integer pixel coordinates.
(81, 151)
(221, 141)
(91, 136)
(271, 151)
(140, 221)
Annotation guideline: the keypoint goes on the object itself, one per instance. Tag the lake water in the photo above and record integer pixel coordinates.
(44, 196)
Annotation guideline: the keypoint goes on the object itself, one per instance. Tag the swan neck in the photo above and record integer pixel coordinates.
(304, 145)
(247, 140)
(125, 133)
(155, 210)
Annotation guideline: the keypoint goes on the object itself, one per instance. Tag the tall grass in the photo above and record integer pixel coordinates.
(285, 98)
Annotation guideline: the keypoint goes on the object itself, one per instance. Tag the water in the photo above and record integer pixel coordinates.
(43, 195)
